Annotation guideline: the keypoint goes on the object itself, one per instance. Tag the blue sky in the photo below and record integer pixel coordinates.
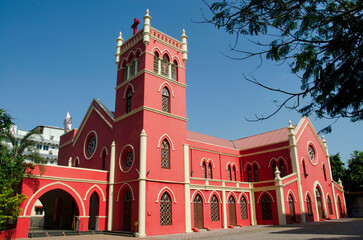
(56, 56)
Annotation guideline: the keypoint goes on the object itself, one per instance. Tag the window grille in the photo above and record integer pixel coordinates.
(132, 68)
(165, 100)
(165, 66)
(243, 205)
(174, 71)
(165, 154)
(214, 209)
(229, 173)
(234, 173)
(156, 63)
(266, 208)
(204, 170)
(165, 210)
(210, 174)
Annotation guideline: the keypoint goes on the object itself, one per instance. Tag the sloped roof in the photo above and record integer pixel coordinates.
(262, 139)
(199, 137)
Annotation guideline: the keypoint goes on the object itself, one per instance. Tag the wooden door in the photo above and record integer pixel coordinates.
(198, 212)
(292, 209)
(232, 211)
(127, 211)
(93, 211)
(319, 203)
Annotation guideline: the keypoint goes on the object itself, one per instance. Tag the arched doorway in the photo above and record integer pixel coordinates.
(93, 211)
(198, 212)
(60, 211)
(292, 209)
(127, 211)
(232, 211)
(340, 207)
(319, 203)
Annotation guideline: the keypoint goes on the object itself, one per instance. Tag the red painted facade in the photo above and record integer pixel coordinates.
(153, 176)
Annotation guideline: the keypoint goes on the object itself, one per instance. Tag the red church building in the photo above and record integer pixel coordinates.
(138, 169)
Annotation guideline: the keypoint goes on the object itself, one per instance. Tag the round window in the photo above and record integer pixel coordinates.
(311, 153)
(91, 145)
(129, 159)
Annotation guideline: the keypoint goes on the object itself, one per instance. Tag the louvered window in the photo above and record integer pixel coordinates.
(165, 154)
(132, 68)
(156, 63)
(266, 208)
(165, 100)
(214, 208)
(174, 71)
(165, 209)
(234, 173)
(204, 170)
(243, 205)
(210, 174)
(229, 173)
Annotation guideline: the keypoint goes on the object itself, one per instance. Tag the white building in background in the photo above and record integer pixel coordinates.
(47, 142)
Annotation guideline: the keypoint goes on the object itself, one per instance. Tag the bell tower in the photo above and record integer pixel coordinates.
(150, 117)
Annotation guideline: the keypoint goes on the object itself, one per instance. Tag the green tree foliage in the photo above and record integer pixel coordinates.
(337, 167)
(17, 159)
(321, 40)
(354, 177)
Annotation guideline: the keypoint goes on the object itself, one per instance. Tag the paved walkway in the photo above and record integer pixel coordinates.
(347, 228)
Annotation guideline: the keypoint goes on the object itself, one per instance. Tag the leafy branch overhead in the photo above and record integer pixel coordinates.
(321, 40)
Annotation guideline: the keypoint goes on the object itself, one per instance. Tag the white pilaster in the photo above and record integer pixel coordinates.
(280, 198)
(224, 206)
(188, 218)
(253, 207)
(296, 169)
(111, 183)
(142, 184)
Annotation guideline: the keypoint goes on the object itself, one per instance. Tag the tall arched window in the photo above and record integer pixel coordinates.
(124, 69)
(255, 172)
(214, 208)
(156, 62)
(210, 172)
(282, 169)
(229, 173)
(165, 100)
(292, 208)
(132, 68)
(165, 154)
(309, 206)
(266, 208)
(204, 170)
(165, 209)
(243, 205)
(340, 207)
(129, 100)
(324, 172)
(234, 173)
(304, 168)
(174, 70)
(249, 174)
(329, 206)
(273, 170)
(165, 66)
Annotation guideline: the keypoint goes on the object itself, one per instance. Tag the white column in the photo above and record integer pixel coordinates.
(159, 66)
(70, 162)
(280, 198)
(224, 207)
(296, 169)
(188, 218)
(253, 207)
(169, 70)
(111, 182)
(142, 184)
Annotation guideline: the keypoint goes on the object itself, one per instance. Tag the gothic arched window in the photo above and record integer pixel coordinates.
(165, 100)
(292, 208)
(229, 173)
(304, 168)
(165, 209)
(214, 209)
(273, 170)
(165, 66)
(330, 206)
(165, 154)
(282, 169)
(249, 174)
(204, 170)
(156, 62)
(243, 205)
(129, 100)
(174, 70)
(309, 206)
(266, 208)
(234, 173)
(210, 172)
(324, 172)
(255, 173)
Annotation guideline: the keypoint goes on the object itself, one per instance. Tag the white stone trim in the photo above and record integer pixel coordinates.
(120, 158)
(95, 186)
(86, 143)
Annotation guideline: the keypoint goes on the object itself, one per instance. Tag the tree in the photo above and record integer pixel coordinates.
(337, 168)
(354, 179)
(321, 40)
